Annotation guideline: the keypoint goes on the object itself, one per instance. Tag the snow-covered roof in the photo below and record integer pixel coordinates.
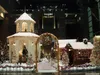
(25, 16)
(75, 44)
(24, 34)
(63, 42)
(81, 45)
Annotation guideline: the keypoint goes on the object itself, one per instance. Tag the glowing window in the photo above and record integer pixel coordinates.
(18, 27)
(24, 26)
(31, 27)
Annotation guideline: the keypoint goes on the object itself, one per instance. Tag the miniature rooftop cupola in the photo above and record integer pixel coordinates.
(25, 23)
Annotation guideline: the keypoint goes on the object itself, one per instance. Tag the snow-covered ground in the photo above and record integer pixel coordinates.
(16, 67)
(45, 66)
(83, 67)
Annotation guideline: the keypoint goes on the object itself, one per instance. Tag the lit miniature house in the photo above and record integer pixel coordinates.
(79, 52)
(22, 43)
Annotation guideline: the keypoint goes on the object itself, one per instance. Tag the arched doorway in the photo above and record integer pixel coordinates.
(49, 53)
(23, 55)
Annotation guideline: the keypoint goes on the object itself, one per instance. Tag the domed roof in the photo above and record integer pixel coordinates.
(25, 16)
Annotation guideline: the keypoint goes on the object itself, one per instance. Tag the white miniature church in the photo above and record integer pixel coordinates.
(22, 43)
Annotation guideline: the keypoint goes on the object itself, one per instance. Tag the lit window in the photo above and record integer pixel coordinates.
(31, 27)
(18, 27)
(24, 26)
(2, 15)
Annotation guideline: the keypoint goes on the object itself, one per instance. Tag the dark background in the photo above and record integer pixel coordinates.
(67, 27)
